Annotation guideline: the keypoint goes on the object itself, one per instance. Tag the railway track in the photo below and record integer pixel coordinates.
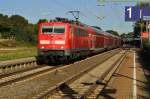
(85, 84)
(24, 75)
(17, 70)
(14, 71)
(50, 76)
(14, 66)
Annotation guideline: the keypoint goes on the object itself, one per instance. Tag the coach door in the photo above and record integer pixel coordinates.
(93, 41)
(72, 38)
(105, 41)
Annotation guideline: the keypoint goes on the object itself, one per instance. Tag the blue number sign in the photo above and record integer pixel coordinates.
(146, 13)
(132, 13)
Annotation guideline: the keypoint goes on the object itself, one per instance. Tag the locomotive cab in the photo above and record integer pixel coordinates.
(53, 42)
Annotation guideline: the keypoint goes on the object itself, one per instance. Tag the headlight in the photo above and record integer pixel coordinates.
(62, 47)
(59, 42)
(45, 42)
(42, 46)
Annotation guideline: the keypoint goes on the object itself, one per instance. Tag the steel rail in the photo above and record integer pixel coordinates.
(100, 81)
(54, 89)
(12, 66)
(25, 75)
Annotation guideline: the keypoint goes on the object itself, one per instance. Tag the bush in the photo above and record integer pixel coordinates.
(146, 44)
(146, 48)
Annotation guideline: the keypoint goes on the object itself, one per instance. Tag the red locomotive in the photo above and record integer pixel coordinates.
(67, 40)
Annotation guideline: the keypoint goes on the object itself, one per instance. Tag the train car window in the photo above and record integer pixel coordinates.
(59, 29)
(80, 32)
(47, 29)
(85, 33)
(77, 32)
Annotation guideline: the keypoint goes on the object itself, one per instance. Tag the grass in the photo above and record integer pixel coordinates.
(16, 53)
(5, 43)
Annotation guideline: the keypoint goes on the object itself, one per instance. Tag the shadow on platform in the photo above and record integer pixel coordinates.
(68, 92)
(145, 63)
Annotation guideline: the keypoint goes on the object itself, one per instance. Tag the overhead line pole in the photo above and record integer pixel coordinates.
(149, 30)
(141, 34)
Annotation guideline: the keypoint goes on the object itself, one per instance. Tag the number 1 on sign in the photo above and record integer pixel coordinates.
(130, 12)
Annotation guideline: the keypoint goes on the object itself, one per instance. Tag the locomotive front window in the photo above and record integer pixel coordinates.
(53, 29)
(59, 29)
(47, 29)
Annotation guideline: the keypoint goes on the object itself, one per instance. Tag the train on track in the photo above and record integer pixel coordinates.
(62, 40)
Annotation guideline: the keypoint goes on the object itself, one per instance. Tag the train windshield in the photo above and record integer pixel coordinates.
(53, 29)
(59, 29)
(47, 29)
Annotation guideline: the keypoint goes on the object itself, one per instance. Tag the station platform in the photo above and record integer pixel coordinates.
(131, 80)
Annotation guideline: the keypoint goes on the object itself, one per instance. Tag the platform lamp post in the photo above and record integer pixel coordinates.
(141, 24)
(149, 30)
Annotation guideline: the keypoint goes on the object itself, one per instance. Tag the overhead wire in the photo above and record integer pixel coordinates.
(117, 14)
(115, 6)
(86, 8)
(83, 14)
(91, 16)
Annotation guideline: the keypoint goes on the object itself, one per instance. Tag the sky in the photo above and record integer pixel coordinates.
(107, 15)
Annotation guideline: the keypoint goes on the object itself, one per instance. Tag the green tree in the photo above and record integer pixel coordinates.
(97, 27)
(113, 32)
(5, 26)
(42, 20)
(18, 27)
(137, 25)
(18, 20)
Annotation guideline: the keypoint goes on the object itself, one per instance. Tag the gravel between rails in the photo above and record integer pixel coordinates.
(31, 87)
(85, 82)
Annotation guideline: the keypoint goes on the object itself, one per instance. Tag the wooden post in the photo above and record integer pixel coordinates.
(141, 36)
(149, 30)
